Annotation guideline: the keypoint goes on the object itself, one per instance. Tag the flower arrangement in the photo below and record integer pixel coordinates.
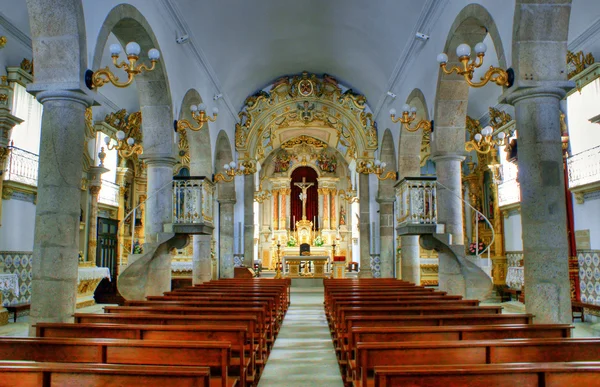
(292, 242)
(137, 248)
(318, 241)
(476, 248)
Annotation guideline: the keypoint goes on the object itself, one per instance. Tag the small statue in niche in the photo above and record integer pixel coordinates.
(342, 216)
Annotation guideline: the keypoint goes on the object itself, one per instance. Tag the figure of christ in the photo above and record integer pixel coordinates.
(304, 186)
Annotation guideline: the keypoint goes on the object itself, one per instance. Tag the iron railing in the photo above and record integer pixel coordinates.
(584, 167)
(22, 166)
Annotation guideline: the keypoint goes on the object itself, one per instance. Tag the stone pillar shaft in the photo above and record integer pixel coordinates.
(333, 216)
(386, 226)
(449, 206)
(226, 238)
(201, 262)
(56, 245)
(411, 266)
(364, 227)
(543, 206)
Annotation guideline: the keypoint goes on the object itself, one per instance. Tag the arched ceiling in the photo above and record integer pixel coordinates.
(249, 43)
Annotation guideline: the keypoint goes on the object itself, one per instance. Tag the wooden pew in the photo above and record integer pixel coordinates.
(487, 375)
(246, 364)
(371, 355)
(451, 333)
(212, 354)
(32, 374)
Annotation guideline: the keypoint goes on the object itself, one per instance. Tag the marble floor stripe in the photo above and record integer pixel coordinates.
(303, 353)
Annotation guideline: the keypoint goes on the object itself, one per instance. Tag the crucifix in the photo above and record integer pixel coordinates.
(304, 186)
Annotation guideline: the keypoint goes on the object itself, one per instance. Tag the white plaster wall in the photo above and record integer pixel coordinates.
(18, 219)
(513, 232)
(587, 218)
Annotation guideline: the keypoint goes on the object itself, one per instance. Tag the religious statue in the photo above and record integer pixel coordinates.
(342, 216)
(303, 196)
(282, 162)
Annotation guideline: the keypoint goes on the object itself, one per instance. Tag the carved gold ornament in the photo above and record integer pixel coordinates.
(409, 114)
(577, 62)
(496, 75)
(199, 115)
(498, 118)
(2, 41)
(99, 78)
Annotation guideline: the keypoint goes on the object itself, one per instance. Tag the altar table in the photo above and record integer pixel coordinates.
(295, 260)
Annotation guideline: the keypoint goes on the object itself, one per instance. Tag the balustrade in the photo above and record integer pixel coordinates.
(416, 201)
(22, 166)
(584, 168)
(193, 200)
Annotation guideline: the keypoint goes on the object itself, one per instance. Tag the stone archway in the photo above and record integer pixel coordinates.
(59, 87)
(386, 197)
(128, 24)
(201, 164)
(471, 26)
(226, 198)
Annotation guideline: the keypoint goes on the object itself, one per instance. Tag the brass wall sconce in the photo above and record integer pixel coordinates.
(200, 116)
(497, 75)
(126, 148)
(409, 114)
(96, 79)
(232, 170)
(484, 142)
(376, 168)
(2, 41)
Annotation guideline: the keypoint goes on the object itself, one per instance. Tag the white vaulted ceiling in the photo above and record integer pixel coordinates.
(250, 43)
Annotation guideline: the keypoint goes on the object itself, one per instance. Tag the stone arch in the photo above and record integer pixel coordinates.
(410, 144)
(471, 26)
(200, 150)
(226, 199)
(128, 24)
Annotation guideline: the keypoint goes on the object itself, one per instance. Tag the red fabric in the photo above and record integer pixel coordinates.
(339, 258)
(312, 202)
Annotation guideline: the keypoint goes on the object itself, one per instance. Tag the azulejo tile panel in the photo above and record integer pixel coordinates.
(19, 263)
(589, 275)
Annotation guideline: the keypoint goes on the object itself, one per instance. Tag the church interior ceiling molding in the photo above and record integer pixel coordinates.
(326, 112)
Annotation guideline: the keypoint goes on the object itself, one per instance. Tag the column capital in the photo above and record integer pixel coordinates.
(231, 201)
(159, 160)
(447, 157)
(65, 95)
(557, 89)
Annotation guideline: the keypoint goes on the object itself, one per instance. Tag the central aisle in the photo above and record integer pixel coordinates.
(303, 353)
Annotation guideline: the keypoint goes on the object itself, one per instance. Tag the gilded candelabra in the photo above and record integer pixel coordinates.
(484, 142)
(96, 79)
(126, 148)
(278, 268)
(497, 75)
(199, 115)
(409, 114)
(376, 167)
(233, 169)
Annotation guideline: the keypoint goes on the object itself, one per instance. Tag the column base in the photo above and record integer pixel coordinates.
(365, 273)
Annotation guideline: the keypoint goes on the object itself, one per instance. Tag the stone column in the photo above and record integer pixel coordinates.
(158, 211)
(326, 211)
(226, 237)
(275, 195)
(282, 208)
(411, 265)
(543, 208)
(249, 220)
(364, 227)
(122, 175)
(449, 206)
(201, 262)
(387, 255)
(56, 245)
